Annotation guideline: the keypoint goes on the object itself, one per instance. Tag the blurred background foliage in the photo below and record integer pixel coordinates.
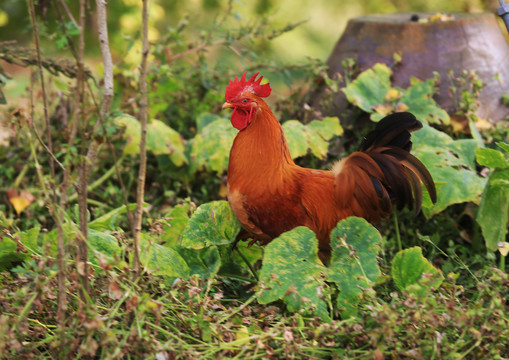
(324, 21)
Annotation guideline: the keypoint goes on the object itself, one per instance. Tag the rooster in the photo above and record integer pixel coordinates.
(269, 194)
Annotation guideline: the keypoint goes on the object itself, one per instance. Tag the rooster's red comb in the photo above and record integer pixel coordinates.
(236, 87)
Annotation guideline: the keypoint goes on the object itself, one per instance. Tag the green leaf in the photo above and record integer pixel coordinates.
(491, 158)
(161, 139)
(173, 228)
(452, 166)
(503, 146)
(494, 209)
(9, 252)
(295, 133)
(204, 262)
(160, 260)
(104, 243)
(355, 246)
(110, 220)
(212, 223)
(291, 271)
(252, 253)
(369, 88)
(419, 99)
(312, 137)
(412, 272)
(327, 128)
(211, 147)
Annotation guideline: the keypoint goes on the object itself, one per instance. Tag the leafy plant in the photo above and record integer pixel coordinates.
(372, 92)
(412, 272)
(452, 166)
(493, 212)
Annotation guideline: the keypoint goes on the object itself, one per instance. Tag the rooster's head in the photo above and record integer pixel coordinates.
(243, 96)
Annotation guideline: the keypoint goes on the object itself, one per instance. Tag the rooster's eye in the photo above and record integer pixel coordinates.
(244, 101)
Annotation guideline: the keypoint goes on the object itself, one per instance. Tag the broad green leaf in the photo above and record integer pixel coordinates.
(419, 99)
(204, 119)
(327, 128)
(11, 254)
(161, 139)
(494, 209)
(296, 137)
(211, 147)
(412, 272)
(459, 185)
(491, 158)
(178, 219)
(312, 137)
(104, 243)
(251, 253)
(504, 146)
(292, 272)
(212, 223)
(354, 268)
(204, 262)
(109, 221)
(369, 88)
(371, 91)
(160, 260)
(451, 164)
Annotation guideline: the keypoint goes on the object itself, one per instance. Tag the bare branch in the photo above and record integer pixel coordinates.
(106, 55)
(54, 209)
(81, 187)
(140, 193)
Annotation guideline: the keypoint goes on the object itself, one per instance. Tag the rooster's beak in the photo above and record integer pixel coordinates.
(227, 105)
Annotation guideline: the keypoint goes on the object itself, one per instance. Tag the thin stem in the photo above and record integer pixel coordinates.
(81, 187)
(396, 226)
(54, 209)
(248, 264)
(140, 193)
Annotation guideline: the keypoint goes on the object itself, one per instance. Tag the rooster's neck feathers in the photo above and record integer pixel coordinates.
(260, 151)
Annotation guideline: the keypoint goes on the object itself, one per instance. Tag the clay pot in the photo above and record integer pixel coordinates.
(467, 42)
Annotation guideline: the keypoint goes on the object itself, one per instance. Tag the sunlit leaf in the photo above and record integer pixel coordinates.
(173, 228)
(161, 139)
(491, 158)
(419, 99)
(20, 201)
(354, 268)
(312, 137)
(411, 271)
(369, 88)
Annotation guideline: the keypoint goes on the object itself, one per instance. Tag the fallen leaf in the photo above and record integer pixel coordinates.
(114, 291)
(20, 201)
(483, 124)
(503, 247)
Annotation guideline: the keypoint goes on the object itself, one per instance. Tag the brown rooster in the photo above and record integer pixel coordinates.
(270, 194)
